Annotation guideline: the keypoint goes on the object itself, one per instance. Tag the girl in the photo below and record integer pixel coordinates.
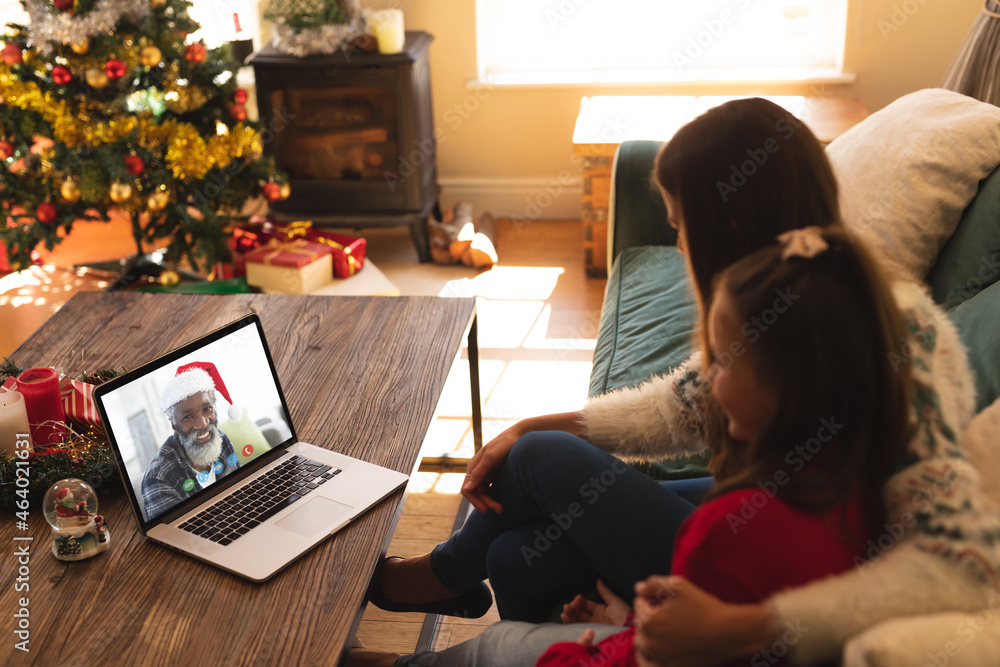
(816, 418)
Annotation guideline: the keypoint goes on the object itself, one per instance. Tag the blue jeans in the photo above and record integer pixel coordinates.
(572, 513)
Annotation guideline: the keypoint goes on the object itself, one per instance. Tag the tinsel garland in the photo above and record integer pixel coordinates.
(311, 41)
(188, 155)
(50, 26)
(83, 454)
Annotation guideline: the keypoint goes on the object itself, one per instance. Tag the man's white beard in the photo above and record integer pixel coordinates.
(203, 456)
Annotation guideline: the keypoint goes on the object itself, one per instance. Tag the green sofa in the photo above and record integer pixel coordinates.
(649, 313)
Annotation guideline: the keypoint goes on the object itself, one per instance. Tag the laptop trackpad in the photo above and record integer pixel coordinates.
(314, 516)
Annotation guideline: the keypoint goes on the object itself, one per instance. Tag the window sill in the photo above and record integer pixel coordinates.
(669, 79)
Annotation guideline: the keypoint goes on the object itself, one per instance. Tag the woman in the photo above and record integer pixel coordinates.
(938, 533)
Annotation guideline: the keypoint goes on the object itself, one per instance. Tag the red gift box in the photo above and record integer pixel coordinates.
(348, 252)
(289, 267)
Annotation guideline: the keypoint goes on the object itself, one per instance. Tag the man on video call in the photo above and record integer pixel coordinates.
(197, 453)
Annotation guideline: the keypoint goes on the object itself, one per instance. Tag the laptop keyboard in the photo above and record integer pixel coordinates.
(235, 515)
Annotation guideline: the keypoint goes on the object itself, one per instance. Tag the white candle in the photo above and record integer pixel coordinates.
(387, 27)
(13, 422)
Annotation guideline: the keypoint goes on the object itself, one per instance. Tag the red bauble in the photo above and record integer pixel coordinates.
(46, 213)
(61, 75)
(62, 5)
(238, 112)
(6, 150)
(195, 53)
(12, 54)
(240, 96)
(134, 164)
(115, 69)
(272, 192)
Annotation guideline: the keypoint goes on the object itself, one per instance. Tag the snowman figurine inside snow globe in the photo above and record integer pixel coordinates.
(78, 531)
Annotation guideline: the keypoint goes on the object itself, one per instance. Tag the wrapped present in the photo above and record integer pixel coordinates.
(78, 403)
(348, 251)
(290, 267)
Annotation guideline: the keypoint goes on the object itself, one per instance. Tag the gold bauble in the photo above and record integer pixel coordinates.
(70, 192)
(150, 56)
(169, 277)
(157, 201)
(96, 78)
(156, 4)
(120, 192)
(285, 191)
(82, 47)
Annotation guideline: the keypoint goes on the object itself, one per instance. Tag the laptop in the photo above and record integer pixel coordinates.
(211, 464)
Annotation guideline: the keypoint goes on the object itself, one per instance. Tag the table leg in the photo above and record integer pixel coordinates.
(477, 404)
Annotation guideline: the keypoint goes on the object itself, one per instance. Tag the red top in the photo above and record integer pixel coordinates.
(742, 547)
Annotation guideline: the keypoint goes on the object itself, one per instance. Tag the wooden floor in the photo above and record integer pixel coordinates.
(538, 317)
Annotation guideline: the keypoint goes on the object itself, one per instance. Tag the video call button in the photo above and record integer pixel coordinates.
(247, 450)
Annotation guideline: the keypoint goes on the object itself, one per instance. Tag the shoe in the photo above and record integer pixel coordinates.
(473, 603)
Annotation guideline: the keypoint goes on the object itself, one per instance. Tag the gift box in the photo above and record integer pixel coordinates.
(348, 252)
(290, 267)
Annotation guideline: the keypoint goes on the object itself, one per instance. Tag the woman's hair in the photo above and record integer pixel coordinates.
(742, 173)
(822, 333)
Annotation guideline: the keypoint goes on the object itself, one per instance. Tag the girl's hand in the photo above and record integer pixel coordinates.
(586, 640)
(678, 624)
(582, 610)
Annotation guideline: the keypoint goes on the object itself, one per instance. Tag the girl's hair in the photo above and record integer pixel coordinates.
(842, 395)
(742, 173)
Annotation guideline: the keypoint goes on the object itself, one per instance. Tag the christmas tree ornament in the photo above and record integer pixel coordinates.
(115, 69)
(169, 277)
(78, 531)
(81, 47)
(70, 191)
(120, 192)
(12, 55)
(63, 5)
(240, 96)
(96, 78)
(272, 192)
(285, 191)
(195, 53)
(157, 201)
(134, 165)
(150, 56)
(156, 4)
(238, 112)
(6, 150)
(46, 213)
(61, 75)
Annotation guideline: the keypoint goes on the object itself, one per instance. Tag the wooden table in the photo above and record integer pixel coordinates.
(605, 122)
(362, 376)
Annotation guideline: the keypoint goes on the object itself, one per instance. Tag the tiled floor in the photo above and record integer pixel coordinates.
(538, 316)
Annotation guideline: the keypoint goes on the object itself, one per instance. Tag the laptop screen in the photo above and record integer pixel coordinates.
(182, 423)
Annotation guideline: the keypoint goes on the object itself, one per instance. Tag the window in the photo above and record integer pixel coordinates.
(620, 41)
(217, 22)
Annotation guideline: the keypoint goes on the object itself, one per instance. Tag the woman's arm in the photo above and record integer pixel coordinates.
(662, 417)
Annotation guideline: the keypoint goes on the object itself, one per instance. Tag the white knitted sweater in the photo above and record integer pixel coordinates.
(946, 551)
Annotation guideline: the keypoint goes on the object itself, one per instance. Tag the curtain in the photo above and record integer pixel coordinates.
(976, 69)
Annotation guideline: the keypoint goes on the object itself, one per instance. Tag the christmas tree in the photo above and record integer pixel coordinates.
(105, 107)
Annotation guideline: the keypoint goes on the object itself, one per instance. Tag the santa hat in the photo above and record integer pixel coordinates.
(194, 378)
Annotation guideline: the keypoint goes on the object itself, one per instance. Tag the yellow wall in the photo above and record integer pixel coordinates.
(516, 141)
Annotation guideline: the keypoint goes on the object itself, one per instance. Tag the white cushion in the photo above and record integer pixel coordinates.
(908, 171)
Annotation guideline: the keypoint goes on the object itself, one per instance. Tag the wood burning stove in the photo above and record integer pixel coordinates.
(355, 133)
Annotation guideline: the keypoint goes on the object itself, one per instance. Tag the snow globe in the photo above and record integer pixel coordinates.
(78, 531)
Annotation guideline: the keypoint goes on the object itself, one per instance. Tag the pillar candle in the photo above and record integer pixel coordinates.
(40, 387)
(387, 27)
(13, 422)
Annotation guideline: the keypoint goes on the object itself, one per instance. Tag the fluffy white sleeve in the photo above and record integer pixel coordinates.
(660, 418)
